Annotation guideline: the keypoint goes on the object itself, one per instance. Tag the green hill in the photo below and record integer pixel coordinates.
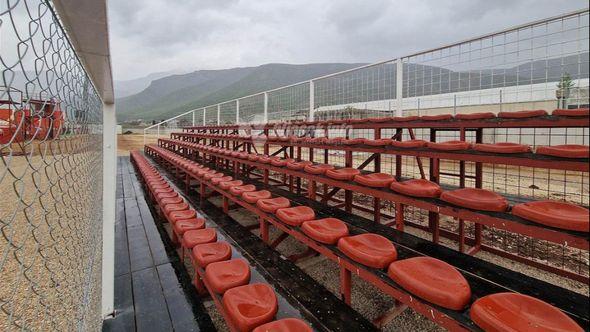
(171, 95)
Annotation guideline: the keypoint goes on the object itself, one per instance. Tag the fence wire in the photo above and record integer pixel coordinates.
(50, 194)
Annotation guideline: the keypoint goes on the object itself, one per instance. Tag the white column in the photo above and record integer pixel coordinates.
(311, 101)
(265, 119)
(109, 185)
(218, 114)
(194, 114)
(237, 111)
(399, 87)
(204, 116)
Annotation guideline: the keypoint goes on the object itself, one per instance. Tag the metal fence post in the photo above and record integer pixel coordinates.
(204, 116)
(237, 111)
(311, 100)
(265, 119)
(194, 114)
(109, 185)
(399, 87)
(218, 114)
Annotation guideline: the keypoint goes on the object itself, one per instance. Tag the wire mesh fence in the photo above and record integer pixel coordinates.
(542, 65)
(50, 196)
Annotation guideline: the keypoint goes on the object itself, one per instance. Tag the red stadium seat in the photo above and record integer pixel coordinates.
(437, 117)
(221, 179)
(181, 215)
(502, 148)
(432, 280)
(343, 173)
(281, 162)
(271, 205)
(171, 200)
(249, 306)
(449, 145)
(296, 215)
(239, 190)
(264, 159)
(475, 116)
(379, 120)
(522, 114)
(555, 214)
(476, 199)
(198, 236)
(182, 226)
(207, 253)
(579, 112)
(565, 151)
(225, 275)
(253, 157)
(378, 142)
(318, 169)
(358, 120)
(298, 165)
(378, 180)
(417, 188)
(163, 195)
(405, 118)
(253, 196)
(368, 249)
(335, 140)
(518, 312)
(327, 230)
(169, 208)
(284, 325)
(209, 176)
(226, 185)
(413, 143)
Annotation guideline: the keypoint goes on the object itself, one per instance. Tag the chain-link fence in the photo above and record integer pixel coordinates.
(50, 194)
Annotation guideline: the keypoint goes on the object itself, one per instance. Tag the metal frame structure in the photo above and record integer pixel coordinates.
(449, 319)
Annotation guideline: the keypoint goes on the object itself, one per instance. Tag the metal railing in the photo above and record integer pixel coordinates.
(50, 195)
(516, 68)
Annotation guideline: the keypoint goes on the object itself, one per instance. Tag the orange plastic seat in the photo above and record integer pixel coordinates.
(207, 253)
(555, 214)
(234, 154)
(378, 180)
(437, 117)
(181, 215)
(519, 313)
(417, 188)
(174, 207)
(476, 199)
(432, 280)
(198, 236)
(298, 165)
(182, 226)
(449, 145)
(378, 142)
(225, 275)
(475, 116)
(281, 162)
(221, 179)
(162, 190)
(343, 173)
(229, 184)
(317, 169)
(162, 195)
(253, 196)
(209, 176)
(296, 215)
(522, 114)
(334, 140)
(353, 141)
(502, 148)
(203, 171)
(327, 230)
(368, 249)
(284, 325)
(264, 159)
(405, 118)
(379, 120)
(253, 157)
(271, 205)
(413, 143)
(171, 200)
(239, 190)
(578, 112)
(249, 306)
(565, 151)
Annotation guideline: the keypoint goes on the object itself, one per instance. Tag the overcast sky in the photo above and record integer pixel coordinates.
(149, 36)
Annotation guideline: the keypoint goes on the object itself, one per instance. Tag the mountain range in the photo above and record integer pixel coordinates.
(171, 95)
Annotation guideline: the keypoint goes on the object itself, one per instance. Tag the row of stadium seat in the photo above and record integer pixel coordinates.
(550, 213)
(580, 112)
(246, 307)
(428, 278)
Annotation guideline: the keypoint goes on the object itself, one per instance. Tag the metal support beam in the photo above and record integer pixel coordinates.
(237, 111)
(218, 114)
(109, 185)
(311, 100)
(265, 119)
(399, 87)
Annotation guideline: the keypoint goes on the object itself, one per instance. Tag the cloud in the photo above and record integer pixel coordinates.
(155, 35)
